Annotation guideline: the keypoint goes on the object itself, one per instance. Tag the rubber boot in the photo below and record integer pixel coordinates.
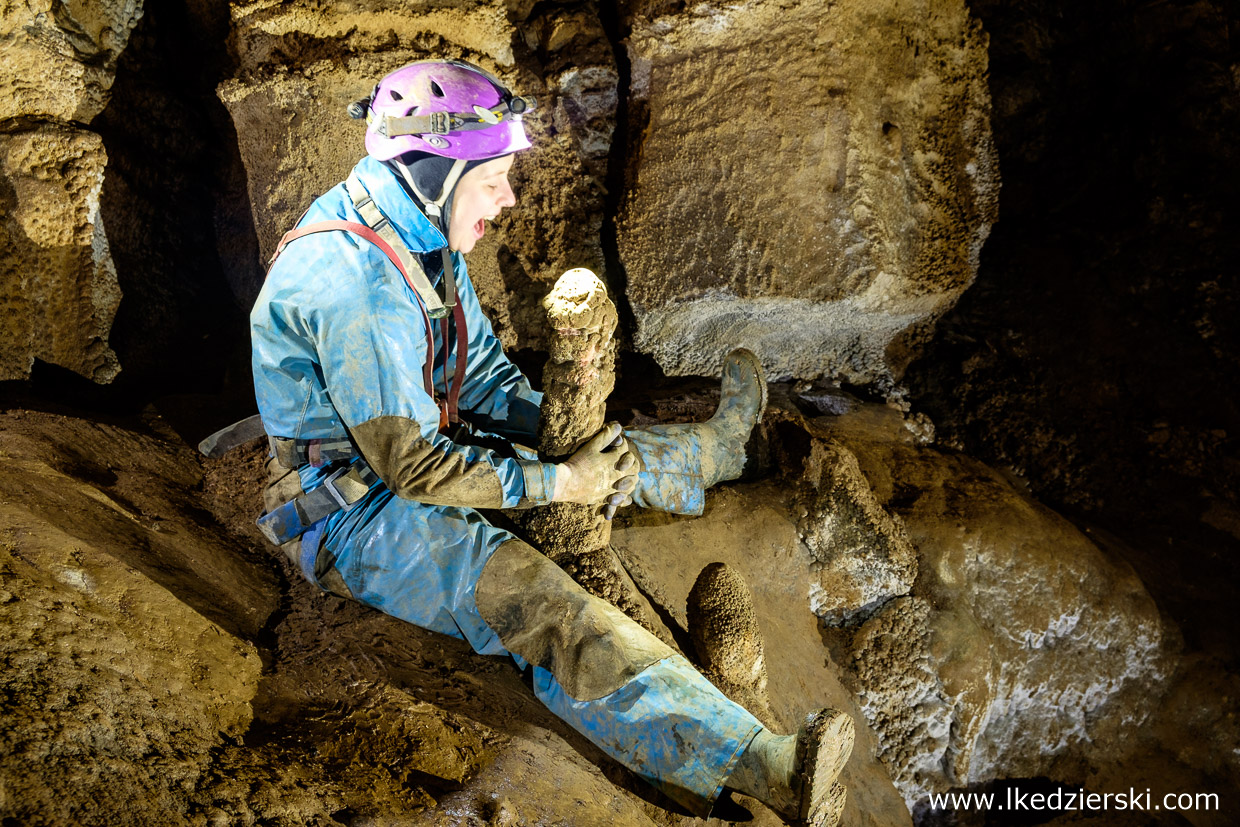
(795, 775)
(679, 462)
(742, 401)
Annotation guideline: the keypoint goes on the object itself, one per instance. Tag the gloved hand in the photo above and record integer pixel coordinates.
(624, 489)
(601, 468)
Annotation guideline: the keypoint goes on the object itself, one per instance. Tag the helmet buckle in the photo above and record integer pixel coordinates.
(440, 123)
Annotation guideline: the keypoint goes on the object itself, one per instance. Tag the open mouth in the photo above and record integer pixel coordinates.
(480, 228)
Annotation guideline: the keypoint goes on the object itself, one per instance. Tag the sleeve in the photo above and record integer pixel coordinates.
(371, 339)
(496, 395)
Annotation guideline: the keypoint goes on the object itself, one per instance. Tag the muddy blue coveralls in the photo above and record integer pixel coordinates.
(339, 347)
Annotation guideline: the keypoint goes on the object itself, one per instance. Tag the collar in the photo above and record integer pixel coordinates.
(411, 224)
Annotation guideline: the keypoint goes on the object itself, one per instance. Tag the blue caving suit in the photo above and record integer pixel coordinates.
(339, 347)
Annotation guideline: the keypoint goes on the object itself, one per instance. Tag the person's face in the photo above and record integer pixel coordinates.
(480, 195)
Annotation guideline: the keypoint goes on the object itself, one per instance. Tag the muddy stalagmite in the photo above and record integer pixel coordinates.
(579, 376)
(727, 641)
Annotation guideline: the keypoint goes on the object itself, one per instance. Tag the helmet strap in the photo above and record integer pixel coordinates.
(434, 211)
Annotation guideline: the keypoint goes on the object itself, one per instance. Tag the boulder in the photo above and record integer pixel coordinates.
(812, 180)
(1021, 642)
(977, 634)
(115, 690)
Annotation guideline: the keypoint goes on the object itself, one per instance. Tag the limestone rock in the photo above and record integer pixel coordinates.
(727, 639)
(862, 555)
(811, 180)
(57, 278)
(114, 692)
(1021, 641)
(300, 65)
(60, 57)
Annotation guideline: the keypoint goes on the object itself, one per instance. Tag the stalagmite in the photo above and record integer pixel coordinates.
(727, 641)
(579, 375)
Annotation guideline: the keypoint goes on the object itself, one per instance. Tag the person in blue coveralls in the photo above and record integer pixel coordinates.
(394, 415)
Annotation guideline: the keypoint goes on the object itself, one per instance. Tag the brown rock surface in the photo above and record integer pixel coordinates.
(749, 528)
(727, 639)
(57, 281)
(59, 58)
(56, 273)
(810, 180)
(114, 691)
(1015, 647)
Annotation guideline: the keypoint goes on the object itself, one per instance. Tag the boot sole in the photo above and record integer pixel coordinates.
(827, 742)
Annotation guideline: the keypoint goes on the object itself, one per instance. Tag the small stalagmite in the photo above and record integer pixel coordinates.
(579, 375)
(727, 641)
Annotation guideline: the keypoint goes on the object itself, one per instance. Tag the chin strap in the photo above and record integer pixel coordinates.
(434, 211)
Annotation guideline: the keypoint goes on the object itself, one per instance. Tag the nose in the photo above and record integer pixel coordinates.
(507, 197)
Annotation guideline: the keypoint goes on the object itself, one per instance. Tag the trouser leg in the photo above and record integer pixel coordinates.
(673, 468)
(679, 462)
(449, 570)
(613, 681)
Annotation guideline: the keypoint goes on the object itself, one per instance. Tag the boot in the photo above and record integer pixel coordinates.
(742, 401)
(679, 462)
(795, 775)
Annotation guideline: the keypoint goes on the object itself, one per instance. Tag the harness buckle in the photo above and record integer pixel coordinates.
(330, 485)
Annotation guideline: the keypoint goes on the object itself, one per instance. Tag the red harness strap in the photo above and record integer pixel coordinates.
(452, 390)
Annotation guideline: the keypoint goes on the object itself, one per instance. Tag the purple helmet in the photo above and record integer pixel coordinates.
(443, 107)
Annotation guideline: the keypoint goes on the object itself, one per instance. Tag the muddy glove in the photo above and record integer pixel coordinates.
(590, 476)
(624, 486)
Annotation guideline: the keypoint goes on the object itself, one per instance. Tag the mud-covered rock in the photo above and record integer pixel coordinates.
(58, 287)
(862, 555)
(1021, 641)
(114, 691)
(300, 65)
(811, 180)
(727, 640)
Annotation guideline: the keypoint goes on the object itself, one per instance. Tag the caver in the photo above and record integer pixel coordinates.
(394, 415)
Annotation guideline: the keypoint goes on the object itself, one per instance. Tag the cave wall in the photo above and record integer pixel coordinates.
(1096, 355)
(836, 211)
(812, 180)
(832, 257)
(864, 133)
(57, 277)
